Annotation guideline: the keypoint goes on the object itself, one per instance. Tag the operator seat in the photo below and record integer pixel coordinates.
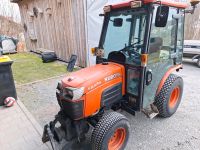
(117, 57)
(156, 44)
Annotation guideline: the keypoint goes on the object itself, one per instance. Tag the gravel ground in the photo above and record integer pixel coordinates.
(180, 132)
(40, 99)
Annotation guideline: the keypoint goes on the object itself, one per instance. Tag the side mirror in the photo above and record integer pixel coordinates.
(162, 16)
(118, 22)
(194, 2)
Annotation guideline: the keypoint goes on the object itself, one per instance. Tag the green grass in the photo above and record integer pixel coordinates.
(29, 67)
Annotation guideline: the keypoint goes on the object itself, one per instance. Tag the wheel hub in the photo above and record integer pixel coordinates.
(174, 97)
(117, 140)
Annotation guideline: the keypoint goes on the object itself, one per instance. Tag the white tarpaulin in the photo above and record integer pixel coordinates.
(94, 23)
(8, 46)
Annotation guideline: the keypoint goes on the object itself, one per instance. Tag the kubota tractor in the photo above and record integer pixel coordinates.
(140, 47)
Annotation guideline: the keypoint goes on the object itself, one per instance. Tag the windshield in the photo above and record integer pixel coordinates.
(127, 34)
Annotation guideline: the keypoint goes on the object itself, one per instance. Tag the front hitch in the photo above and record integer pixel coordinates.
(64, 130)
(48, 136)
(45, 136)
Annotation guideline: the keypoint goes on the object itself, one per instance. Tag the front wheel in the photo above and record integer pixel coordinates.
(169, 98)
(111, 132)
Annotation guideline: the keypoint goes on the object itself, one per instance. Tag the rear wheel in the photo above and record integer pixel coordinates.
(169, 98)
(111, 132)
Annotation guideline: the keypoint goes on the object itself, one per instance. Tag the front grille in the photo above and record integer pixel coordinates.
(72, 109)
(112, 95)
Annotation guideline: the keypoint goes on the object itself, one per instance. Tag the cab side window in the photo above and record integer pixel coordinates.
(162, 40)
(180, 36)
(180, 33)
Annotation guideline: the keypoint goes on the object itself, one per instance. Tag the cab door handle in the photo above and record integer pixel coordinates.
(149, 77)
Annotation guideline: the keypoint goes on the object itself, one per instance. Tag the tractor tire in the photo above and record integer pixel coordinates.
(198, 62)
(111, 132)
(169, 98)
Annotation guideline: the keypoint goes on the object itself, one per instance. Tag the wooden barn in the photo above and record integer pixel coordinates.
(57, 25)
(192, 25)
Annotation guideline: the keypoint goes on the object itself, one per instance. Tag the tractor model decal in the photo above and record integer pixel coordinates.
(114, 76)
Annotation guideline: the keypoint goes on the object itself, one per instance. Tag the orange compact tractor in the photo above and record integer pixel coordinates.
(140, 47)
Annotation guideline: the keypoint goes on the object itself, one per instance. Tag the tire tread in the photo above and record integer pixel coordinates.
(103, 126)
(161, 100)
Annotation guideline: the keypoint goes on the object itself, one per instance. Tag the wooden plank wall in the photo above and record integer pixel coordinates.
(63, 31)
(192, 25)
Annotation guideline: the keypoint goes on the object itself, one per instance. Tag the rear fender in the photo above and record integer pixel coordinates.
(162, 82)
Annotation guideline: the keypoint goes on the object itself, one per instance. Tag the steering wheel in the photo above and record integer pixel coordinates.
(125, 51)
(132, 49)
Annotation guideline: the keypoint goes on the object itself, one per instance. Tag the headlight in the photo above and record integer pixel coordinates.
(59, 87)
(73, 93)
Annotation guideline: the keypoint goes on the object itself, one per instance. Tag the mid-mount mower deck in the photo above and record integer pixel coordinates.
(141, 45)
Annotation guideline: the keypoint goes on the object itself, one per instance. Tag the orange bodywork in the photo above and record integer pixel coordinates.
(95, 80)
(162, 82)
(169, 3)
(163, 2)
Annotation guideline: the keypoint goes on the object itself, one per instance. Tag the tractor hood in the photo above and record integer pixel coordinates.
(94, 76)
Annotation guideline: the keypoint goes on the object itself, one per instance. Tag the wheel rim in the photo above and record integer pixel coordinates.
(174, 97)
(117, 139)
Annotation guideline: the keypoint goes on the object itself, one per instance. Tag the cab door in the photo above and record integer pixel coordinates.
(161, 47)
(180, 17)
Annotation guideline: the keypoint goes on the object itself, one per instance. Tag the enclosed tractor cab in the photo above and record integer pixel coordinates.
(140, 47)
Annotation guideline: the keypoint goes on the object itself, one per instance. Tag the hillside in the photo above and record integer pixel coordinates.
(9, 27)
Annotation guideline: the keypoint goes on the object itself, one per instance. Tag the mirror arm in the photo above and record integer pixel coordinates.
(159, 2)
(190, 11)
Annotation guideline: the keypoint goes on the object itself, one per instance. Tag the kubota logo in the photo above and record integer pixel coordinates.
(114, 76)
(94, 86)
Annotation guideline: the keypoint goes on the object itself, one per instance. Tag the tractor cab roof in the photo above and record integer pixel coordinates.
(172, 3)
